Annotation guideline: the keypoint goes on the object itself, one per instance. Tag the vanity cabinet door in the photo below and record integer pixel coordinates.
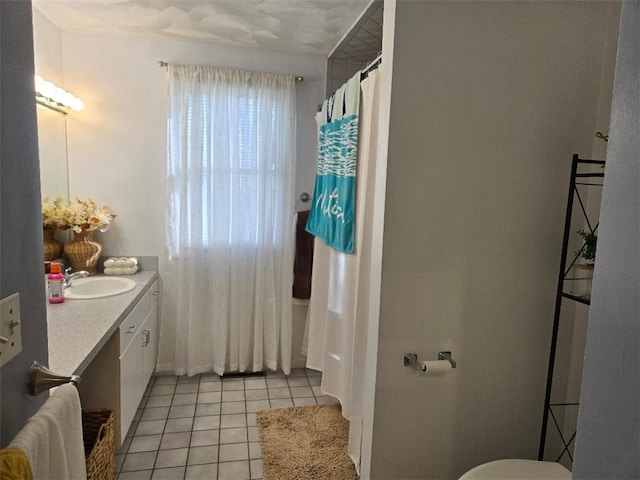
(150, 342)
(138, 335)
(132, 382)
(150, 332)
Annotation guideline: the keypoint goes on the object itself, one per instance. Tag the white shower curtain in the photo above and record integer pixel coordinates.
(338, 309)
(230, 221)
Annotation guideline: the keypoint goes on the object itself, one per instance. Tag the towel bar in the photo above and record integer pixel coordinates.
(42, 379)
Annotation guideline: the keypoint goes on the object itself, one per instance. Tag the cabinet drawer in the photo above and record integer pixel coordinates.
(131, 324)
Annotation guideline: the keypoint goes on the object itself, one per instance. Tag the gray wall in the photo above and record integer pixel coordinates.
(21, 257)
(608, 425)
(489, 100)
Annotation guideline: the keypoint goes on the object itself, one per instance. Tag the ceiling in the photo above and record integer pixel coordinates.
(294, 26)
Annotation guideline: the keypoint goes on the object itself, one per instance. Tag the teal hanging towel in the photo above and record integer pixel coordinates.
(333, 210)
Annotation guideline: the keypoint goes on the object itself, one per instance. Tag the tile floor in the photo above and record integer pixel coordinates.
(204, 427)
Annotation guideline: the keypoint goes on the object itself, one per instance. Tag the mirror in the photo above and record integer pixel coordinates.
(52, 143)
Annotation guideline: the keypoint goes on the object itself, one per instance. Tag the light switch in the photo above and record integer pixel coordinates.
(10, 328)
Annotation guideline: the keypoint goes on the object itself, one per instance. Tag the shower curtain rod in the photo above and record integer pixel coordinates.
(163, 64)
(363, 74)
(372, 64)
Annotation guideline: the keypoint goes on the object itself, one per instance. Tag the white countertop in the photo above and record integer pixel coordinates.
(78, 329)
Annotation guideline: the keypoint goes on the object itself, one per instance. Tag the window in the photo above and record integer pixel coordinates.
(231, 164)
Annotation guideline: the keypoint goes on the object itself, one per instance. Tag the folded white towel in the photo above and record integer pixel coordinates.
(52, 438)
(120, 270)
(129, 262)
(121, 262)
(110, 262)
(113, 271)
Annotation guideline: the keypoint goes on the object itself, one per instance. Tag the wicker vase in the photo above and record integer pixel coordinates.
(52, 247)
(83, 252)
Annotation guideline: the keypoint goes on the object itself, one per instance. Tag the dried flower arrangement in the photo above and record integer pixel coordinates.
(53, 213)
(80, 215)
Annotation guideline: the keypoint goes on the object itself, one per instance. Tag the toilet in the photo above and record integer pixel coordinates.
(518, 470)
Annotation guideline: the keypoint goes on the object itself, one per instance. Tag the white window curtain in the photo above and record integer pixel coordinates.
(229, 221)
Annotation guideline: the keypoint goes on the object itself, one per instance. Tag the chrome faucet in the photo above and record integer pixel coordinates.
(68, 276)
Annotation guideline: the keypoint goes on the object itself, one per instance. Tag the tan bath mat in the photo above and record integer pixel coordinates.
(305, 443)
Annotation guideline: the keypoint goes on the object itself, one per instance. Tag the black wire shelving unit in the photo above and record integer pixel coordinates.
(554, 411)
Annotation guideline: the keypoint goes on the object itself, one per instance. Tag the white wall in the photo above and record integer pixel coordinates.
(609, 428)
(117, 145)
(489, 101)
(47, 41)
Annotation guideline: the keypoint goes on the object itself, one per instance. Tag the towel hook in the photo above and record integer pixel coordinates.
(42, 379)
(303, 198)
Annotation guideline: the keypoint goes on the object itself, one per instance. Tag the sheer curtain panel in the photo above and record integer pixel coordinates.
(229, 221)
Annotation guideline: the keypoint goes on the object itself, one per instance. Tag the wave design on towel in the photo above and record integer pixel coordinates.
(332, 216)
(338, 147)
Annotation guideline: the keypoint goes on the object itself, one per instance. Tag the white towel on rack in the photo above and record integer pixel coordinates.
(52, 438)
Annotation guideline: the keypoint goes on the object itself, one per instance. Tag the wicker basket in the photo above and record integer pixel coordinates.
(99, 444)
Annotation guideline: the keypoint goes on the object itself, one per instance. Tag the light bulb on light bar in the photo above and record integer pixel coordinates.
(54, 96)
(77, 104)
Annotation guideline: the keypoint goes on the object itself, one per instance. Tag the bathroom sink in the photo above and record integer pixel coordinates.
(98, 287)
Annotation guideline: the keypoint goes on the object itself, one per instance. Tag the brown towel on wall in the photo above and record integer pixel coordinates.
(303, 262)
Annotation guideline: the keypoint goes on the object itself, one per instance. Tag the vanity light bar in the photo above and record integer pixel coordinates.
(50, 95)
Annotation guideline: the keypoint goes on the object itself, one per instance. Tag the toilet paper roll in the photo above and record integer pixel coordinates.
(436, 366)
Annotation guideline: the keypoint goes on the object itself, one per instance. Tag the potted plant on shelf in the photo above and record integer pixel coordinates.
(584, 271)
(588, 251)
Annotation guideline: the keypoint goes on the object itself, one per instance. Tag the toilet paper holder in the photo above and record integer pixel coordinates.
(411, 360)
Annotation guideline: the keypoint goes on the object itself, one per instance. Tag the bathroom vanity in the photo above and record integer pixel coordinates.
(112, 343)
